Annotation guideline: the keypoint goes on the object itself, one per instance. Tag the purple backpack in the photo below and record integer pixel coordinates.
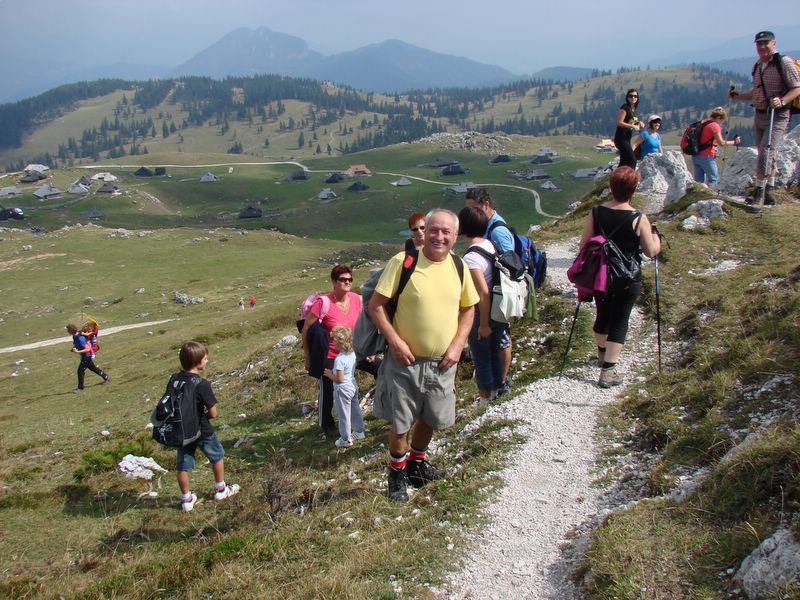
(589, 271)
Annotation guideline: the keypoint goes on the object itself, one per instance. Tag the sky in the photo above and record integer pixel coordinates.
(522, 36)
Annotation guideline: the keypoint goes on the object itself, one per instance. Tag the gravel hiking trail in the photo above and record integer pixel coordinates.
(540, 520)
(68, 339)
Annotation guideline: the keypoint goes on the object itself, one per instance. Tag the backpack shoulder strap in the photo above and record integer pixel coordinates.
(497, 224)
(634, 214)
(459, 266)
(482, 251)
(326, 305)
(407, 271)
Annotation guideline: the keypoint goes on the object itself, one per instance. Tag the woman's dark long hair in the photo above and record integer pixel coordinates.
(635, 105)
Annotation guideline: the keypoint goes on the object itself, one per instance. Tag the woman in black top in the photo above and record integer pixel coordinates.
(634, 235)
(627, 123)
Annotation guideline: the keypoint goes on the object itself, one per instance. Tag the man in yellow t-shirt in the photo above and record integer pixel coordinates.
(416, 383)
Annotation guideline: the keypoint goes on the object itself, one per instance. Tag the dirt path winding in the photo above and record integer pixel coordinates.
(68, 339)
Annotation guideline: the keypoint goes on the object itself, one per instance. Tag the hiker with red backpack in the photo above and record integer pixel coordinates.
(82, 344)
(709, 137)
(776, 86)
(326, 311)
(631, 233)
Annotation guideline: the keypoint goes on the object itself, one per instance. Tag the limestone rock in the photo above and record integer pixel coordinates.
(740, 171)
(775, 563)
(287, 342)
(665, 179)
(182, 298)
(709, 209)
(695, 222)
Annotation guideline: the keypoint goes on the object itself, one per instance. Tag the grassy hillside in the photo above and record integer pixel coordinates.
(313, 521)
(72, 525)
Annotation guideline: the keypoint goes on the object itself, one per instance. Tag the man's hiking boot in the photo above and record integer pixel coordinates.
(421, 472)
(609, 377)
(229, 490)
(188, 504)
(398, 485)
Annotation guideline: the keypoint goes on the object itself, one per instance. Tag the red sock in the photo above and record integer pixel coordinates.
(397, 462)
(417, 454)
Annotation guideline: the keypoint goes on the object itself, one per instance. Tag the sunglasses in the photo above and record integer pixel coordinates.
(420, 228)
(633, 95)
(345, 279)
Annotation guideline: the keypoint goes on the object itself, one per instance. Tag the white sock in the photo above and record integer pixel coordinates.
(220, 485)
(187, 496)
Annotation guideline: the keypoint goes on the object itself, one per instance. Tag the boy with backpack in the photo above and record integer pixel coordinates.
(194, 358)
(82, 344)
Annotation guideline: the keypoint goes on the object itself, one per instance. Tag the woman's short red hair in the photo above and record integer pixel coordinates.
(340, 270)
(415, 218)
(623, 183)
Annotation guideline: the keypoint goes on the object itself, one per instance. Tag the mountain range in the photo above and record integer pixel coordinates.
(390, 66)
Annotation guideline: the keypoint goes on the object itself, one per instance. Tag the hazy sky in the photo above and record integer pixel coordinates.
(520, 35)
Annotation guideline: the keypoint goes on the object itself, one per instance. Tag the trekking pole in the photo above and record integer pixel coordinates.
(658, 312)
(569, 340)
(727, 128)
(760, 202)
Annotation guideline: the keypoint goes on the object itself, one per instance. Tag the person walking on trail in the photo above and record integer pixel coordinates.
(252, 301)
(705, 163)
(241, 303)
(82, 345)
(498, 231)
(776, 83)
(627, 123)
(415, 391)
(632, 233)
(650, 138)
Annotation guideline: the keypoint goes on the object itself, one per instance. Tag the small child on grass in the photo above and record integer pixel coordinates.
(345, 388)
(194, 358)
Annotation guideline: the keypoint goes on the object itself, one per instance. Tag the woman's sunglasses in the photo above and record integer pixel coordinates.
(420, 228)
(345, 279)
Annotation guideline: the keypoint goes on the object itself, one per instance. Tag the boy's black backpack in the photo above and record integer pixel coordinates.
(176, 419)
(533, 260)
(690, 142)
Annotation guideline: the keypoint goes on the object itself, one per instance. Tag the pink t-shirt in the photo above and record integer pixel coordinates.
(336, 317)
(709, 134)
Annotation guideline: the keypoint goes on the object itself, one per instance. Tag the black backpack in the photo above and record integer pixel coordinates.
(690, 142)
(622, 270)
(176, 419)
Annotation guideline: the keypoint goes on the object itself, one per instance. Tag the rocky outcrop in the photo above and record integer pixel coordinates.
(739, 170)
(771, 566)
(665, 179)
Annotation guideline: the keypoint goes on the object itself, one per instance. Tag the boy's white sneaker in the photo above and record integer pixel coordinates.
(358, 435)
(230, 490)
(188, 503)
(343, 443)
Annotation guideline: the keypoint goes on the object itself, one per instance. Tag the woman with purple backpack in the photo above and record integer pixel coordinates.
(632, 233)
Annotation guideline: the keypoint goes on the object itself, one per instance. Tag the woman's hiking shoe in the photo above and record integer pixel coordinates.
(343, 443)
(421, 472)
(188, 504)
(609, 378)
(229, 490)
(398, 485)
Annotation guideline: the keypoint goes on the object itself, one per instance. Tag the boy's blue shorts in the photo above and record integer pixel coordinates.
(210, 446)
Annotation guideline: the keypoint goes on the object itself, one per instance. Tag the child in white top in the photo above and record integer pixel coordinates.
(345, 388)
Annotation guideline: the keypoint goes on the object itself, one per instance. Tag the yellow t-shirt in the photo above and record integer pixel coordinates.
(427, 310)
